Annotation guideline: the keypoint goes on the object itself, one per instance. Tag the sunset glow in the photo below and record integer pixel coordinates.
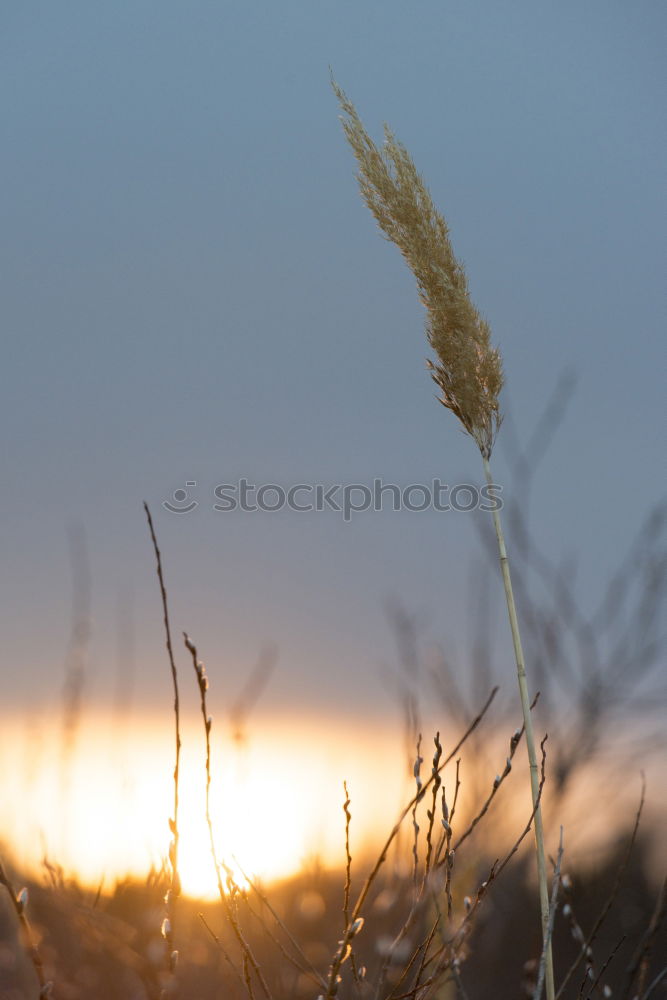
(276, 801)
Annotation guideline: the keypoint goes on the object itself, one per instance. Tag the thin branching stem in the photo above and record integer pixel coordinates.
(553, 905)
(19, 902)
(348, 879)
(308, 967)
(370, 879)
(171, 954)
(598, 979)
(587, 942)
(638, 968)
(250, 964)
(221, 948)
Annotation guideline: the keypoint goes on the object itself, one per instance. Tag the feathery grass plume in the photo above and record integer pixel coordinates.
(468, 369)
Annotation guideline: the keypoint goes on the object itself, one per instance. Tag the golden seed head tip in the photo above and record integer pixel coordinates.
(468, 369)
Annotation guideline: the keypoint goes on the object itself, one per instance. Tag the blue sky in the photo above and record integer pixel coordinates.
(192, 290)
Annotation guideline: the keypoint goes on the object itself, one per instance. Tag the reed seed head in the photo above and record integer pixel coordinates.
(467, 368)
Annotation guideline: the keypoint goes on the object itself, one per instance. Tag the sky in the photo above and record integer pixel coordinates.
(193, 292)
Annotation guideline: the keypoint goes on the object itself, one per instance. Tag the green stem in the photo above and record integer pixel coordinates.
(530, 739)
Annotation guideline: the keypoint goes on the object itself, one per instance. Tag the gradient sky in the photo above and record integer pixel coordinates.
(193, 290)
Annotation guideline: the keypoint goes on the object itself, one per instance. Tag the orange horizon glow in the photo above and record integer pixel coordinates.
(276, 799)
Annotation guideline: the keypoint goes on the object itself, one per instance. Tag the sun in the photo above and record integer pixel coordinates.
(275, 802)
(262, 825)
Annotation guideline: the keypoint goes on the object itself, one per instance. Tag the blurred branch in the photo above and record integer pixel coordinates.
(252, 690)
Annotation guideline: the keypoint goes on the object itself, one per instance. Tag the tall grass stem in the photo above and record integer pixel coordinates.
(530, 739)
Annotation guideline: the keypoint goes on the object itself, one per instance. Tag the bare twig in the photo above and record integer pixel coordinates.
(221, 948)
(638, 967)
(437, 782)
(348, 878)
(553, 905)
(19, 902)
(605, 966)
(361, 899)
(654, 985)
(586, 944)
(250, 963)
(252, 690)
(306, 966)
(443, 956)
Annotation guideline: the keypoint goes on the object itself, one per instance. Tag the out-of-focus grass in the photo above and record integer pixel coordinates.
(109, 947)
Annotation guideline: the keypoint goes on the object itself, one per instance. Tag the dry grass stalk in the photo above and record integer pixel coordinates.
(348, 879)
(250, 964)
(298, 960)
(174, 891)
(530, 738)
(467, 368)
